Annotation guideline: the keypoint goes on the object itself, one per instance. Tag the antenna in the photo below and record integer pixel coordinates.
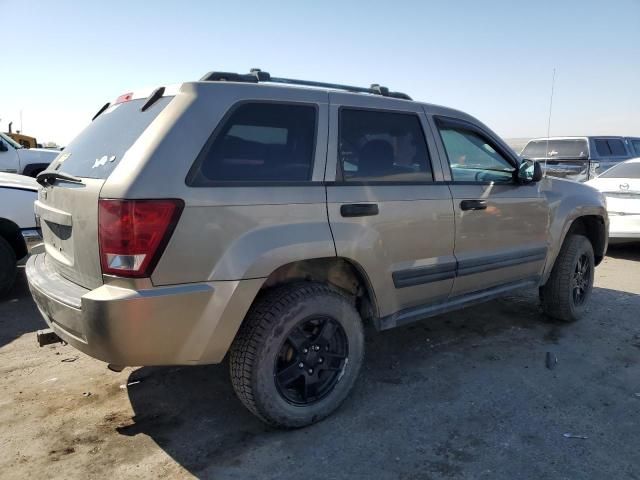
(553, 82)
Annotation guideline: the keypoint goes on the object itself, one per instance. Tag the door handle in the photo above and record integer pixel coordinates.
(359, 210)
(473, 204)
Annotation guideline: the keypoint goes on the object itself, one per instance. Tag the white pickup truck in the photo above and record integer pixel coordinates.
(14, 158)
(18, 230)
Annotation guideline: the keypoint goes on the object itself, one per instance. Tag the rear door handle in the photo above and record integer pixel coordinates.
(473, 204)
(359, 210)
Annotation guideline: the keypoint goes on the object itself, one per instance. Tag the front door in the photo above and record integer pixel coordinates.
(501, 225)
(390, 212)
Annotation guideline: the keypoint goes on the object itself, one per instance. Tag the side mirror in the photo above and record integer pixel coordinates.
(3, 147)
(529, 172)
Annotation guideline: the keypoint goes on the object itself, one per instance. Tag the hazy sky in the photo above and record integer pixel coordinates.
(493, 59)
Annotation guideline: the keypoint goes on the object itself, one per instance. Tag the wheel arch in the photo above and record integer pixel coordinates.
(341, 273)
(594, 228)
(590, 224)
(33, 169)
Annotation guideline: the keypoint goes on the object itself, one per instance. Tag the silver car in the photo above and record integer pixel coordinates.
(268, 218)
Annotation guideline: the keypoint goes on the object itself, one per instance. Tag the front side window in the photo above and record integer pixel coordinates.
(472, 158)
(636, 146)
(382, 147)
(259, 142)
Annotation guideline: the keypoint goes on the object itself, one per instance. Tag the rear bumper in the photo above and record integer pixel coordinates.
(624, 226)
(174, 325)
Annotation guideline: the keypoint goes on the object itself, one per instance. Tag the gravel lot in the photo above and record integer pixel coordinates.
(466, 395)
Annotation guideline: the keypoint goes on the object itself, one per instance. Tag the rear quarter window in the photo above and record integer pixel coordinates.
(259, 142)
(610, 147)
(101, 145)
(553, 148)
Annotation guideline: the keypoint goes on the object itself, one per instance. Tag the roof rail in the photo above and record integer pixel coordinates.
(256, 75)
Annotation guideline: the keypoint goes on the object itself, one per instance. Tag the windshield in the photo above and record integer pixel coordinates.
(568, 148)
(102, 144)
(623, 170)
(10, 141)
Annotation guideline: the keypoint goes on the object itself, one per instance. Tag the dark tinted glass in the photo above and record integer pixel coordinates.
(259, 142)
(602, 147)
(569, 148)
(623, 170)
(617, 147)
(636, 146)
(100, 147)
(382, 146)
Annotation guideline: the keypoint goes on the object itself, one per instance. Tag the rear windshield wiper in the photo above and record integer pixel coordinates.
(47, 178)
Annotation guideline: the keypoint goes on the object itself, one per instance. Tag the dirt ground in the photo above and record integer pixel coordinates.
(466, 395)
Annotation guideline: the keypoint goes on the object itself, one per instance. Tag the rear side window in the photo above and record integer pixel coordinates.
(636, 146)
(259, 142)
(382, 146)
(101, 145)
(610, 147)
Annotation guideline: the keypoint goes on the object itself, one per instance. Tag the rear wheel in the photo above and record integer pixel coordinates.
(8, 267)
(297, 355)
(566, 293)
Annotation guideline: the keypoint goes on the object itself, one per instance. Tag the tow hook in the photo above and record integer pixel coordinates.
(47, 337)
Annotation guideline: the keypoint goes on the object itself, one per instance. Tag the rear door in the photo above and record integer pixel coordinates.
(387, 209)
(68, 211)
(501, 226)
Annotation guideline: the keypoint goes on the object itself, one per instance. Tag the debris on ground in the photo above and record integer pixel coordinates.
(551, 361)
(87, 394)
(125, 385)
(50, 380)
(571, 435)
(70, 359)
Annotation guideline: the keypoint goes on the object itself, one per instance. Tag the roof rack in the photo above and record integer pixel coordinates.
(256, 75)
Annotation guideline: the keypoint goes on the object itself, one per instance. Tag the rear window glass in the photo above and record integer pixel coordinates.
(610, 147)
(569, 148)
(383, 146)
(623, 170)
(259, 142)
(102, 144)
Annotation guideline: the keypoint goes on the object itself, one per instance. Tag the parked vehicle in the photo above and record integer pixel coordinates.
(18, 232)
(621, 187)
(268, 218)
(577, 158)
(14, 158)
(634, 145)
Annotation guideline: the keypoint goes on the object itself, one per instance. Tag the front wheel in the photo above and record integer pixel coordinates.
(297, 354)
(566, 293)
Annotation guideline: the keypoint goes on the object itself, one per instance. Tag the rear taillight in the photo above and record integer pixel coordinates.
(133, 233)
(125, 97)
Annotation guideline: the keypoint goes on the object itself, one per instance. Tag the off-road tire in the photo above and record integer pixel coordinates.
(557, 295)
(262, 335)
(8, 267)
